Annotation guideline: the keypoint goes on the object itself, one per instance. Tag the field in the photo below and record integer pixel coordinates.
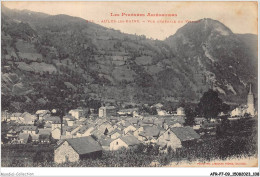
(240, 141)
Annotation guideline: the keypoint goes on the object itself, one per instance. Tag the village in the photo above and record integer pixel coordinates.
(78, 137)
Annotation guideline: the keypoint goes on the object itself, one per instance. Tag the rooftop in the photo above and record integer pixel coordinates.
(130, 140)
(185, 133)
(84, 145)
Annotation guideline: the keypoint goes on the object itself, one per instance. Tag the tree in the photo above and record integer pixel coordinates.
(210, 105)
(190, 114)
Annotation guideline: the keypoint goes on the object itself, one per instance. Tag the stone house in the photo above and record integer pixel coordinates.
(77, 113)
(127, 112)
(35, 138)
(73, 150)
(44, 131)
(175, 137)
(44, 138)
(28, 118)
(12, 134)
(72, 130)
(57, 124)
(29, 129)
(169, 139)
(185, 133)
(107, 111)
(115, 134)
(56, 133)
(24, 138)
(161, 112)
(130, 128)
(42, 114)
(84, 131)
(5, 116)
(199, 120)
(159, 122)
(147, 121)
(105, 143)
(124, 141)
(50, 120)
(148, 134)
(16, 116)
(105, 128)
(70, 120)
(173, 122)
(157, 106)
(180, 111)
(133, 121)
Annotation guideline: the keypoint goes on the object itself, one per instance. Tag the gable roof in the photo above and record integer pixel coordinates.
(115, 131)
(106, 125)
(17, 114)
(133, 120)
(28, 118)
(100, 121)
(75, 110)
(158, 105)
(83, 129)
(29, 128)
(131, 125)
(44, 131)
(84, 145)
(24, 136)
(44, 137)
(150, 131)
(69, 117)
(35, 137)
(25, 114)
(185, 133)
(174, 120)
(70, 129)
(42, 112)
(105, 142)
(130, 140)
(52, 118)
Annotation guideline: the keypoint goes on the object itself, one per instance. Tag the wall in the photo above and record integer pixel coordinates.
(170, 139)
(117, 144)
(63, 151)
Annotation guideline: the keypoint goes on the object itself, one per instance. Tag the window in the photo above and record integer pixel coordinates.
(117, 143)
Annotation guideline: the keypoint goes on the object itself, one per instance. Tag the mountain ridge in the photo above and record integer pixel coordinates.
(91, 62)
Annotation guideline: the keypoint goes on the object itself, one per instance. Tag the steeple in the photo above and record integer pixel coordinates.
(250, 102)
(250, 90)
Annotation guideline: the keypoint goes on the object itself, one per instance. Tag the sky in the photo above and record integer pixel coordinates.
(240, 17)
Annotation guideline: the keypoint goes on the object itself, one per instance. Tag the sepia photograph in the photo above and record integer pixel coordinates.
(129, 84)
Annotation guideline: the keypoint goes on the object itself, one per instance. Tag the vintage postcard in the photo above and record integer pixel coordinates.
(129, 84)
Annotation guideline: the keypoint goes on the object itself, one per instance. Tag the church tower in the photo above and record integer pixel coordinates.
(250, 102)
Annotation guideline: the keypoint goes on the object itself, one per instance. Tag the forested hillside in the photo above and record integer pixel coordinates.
(49, 60)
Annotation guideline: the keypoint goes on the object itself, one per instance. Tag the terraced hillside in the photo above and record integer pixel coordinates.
(48, 60)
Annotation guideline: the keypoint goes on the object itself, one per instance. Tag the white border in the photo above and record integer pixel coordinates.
(118, 171)
(130, 171)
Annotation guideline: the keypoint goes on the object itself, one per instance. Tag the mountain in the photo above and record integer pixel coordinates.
(49, 60)
(227, 60)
